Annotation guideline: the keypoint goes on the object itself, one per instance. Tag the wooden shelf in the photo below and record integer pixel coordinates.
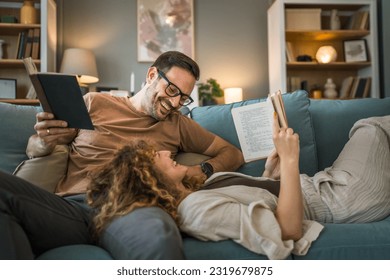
(334, 65)
(33, 102)
(15, 28)
(7, 63)
(325, 35)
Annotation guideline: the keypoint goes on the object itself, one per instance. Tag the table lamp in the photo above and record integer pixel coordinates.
(82, 63)
(233, 95)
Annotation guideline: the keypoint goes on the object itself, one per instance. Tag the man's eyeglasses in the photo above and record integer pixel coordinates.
(172, 90)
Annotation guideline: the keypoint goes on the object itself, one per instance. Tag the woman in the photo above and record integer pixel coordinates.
(355, 189)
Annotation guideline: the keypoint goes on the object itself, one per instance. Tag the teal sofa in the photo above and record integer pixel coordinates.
(323, 126)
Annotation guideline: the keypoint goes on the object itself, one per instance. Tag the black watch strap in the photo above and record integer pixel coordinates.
(207, 169)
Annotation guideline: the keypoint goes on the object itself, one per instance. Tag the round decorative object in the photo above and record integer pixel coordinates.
(28, 13)
(326, 54)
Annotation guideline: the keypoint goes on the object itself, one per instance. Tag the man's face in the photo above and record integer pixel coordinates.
(158, 104)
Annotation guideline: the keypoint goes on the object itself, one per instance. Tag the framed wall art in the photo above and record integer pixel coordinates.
(164, 25)
(7, 88)
(355, 50)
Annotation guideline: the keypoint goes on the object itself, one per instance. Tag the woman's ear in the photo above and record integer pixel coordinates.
(151, 75)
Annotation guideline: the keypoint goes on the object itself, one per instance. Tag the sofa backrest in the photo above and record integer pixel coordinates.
(17, 125)
(333, 119)
(218, 119)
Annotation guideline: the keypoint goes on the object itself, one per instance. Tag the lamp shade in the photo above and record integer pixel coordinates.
(233, 95)
(80, 62)
(326, 54)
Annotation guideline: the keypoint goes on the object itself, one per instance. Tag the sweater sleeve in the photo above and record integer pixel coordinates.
(244, 215)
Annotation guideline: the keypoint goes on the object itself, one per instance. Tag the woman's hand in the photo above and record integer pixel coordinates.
(272, 166)
(286, 142)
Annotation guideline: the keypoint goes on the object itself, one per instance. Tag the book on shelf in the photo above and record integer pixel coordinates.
(361, 87)
(346, 86)
(364, 21)
(60, 94)
(17, 45)
(36, 43)
(29, 43)
(359, 21)
(294, 83)
(290, 52)
(22, 39)
(253, 125)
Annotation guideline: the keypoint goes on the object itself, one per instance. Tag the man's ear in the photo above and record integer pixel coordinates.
(151, 75)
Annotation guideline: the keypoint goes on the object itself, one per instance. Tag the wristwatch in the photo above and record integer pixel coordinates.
(207, 169)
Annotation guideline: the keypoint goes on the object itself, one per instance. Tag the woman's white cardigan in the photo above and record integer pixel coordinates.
(245, 215)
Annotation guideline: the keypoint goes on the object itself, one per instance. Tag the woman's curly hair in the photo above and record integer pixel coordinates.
(129, 181)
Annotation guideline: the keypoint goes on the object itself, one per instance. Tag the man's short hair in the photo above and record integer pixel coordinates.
(174, 58)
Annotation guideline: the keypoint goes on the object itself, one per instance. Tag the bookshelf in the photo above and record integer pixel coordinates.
(307, 41)
(11, 66)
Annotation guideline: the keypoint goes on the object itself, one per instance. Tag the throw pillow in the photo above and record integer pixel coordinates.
(45, 172)
(218, 119)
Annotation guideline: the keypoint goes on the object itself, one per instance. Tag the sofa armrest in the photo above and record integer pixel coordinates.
(17, 125)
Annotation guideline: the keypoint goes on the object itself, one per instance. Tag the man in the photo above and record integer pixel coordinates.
(147, 233)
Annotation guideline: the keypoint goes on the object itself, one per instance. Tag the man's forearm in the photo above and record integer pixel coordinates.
(228, 159)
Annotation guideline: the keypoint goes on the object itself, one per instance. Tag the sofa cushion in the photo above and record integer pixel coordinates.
(352, 242)
(76, 252)
(333, 119)
(218, 119)
(17, 125)
(45, 172)
(195, 249)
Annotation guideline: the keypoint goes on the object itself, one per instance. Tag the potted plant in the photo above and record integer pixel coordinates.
(209, 91)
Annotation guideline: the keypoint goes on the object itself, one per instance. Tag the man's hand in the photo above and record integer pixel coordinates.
(49, 133)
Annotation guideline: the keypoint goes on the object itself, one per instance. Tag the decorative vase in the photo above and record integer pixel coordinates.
(28, 13)
(330, 89)
(334, 20)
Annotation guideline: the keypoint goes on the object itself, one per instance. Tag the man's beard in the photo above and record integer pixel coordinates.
(157, 107)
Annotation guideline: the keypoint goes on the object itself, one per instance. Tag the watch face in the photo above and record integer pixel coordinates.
(207, 169)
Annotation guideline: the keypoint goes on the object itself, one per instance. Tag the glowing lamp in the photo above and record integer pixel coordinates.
(326, 54)
(232, 95)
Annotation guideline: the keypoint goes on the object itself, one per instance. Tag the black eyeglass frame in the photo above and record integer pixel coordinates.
(188, 99)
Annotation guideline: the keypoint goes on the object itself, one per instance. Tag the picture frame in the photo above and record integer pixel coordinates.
(355, 50)
(164, 26)
(7, 88)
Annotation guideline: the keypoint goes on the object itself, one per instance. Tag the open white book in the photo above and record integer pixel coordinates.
(254, 126)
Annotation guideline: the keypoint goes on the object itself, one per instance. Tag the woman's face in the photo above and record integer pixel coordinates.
(169, 167)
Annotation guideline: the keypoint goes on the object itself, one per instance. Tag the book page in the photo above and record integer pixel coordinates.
(254, 129)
